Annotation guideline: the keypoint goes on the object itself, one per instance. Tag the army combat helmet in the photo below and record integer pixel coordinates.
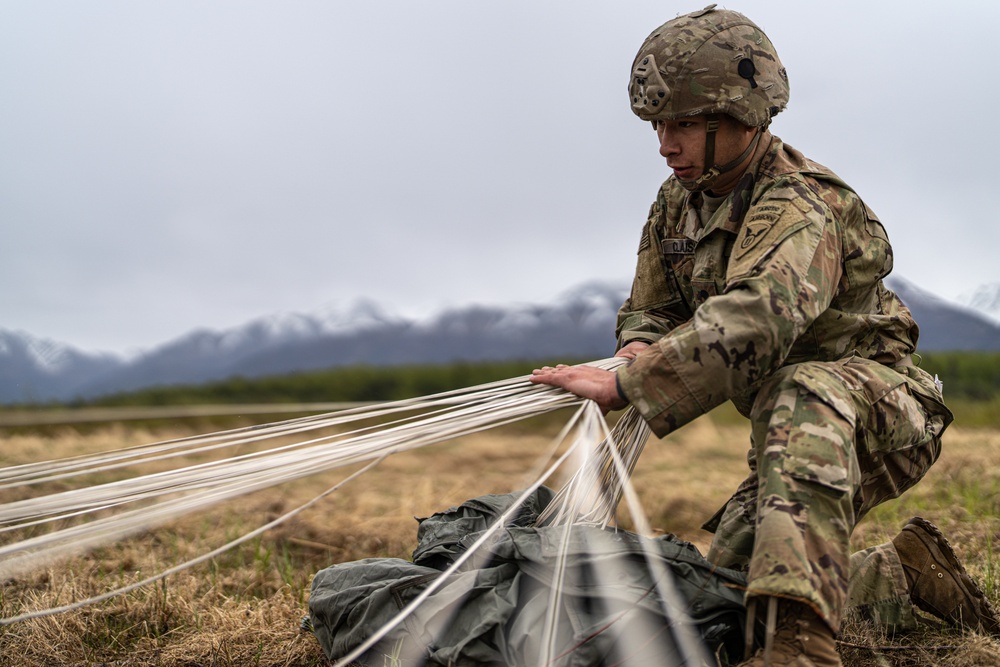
(709, 62)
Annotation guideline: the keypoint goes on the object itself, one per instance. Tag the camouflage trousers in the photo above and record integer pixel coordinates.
(830, 441)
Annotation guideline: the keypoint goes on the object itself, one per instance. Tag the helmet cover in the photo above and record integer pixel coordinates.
(708, 62)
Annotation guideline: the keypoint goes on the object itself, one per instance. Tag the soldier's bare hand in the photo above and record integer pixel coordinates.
(596, 384)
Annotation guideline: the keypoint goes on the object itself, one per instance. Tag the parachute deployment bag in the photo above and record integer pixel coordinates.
(498, 608)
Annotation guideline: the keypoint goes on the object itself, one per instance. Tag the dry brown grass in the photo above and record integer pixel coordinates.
(244, 608)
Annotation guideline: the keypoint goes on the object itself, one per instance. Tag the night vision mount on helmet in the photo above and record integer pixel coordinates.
(709, 62)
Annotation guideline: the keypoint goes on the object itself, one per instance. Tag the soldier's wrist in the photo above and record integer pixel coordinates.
(618, 388)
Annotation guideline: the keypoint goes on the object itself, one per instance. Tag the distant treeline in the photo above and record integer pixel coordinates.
(973, 376)
(347, 384)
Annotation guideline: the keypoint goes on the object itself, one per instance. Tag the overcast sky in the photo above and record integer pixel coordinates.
(172, 165)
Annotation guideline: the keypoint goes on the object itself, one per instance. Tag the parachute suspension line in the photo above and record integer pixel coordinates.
(500, 523)
(683, 630)
(600, 475)
(453, 414)
(188, 564)
(29, 473)
(592, 497)
(88, 464)
(353, 447)
(593, 430)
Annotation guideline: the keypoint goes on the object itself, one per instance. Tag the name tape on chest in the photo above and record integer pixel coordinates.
(677, 246)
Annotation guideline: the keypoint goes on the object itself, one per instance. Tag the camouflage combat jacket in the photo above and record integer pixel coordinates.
(788, 269)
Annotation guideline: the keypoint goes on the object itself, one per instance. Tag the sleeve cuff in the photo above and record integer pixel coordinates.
(618, 386)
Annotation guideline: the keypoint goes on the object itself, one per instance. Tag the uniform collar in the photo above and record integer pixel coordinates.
(730, 213)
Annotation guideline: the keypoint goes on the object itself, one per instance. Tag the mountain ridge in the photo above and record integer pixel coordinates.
(580, 324)
(985, 299)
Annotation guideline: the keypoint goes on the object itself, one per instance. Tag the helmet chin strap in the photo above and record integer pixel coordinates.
(706, 180)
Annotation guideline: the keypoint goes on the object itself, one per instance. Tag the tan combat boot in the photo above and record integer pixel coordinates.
(938, 583)
(795, 636)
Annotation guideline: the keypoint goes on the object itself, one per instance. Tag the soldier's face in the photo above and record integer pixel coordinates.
(682, 143)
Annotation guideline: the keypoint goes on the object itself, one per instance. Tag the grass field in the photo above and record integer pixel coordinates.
(244, 608)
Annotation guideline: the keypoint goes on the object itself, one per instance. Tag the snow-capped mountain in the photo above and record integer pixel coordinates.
(984, 299)
(580, 324)
(945, 325)
(38, 369)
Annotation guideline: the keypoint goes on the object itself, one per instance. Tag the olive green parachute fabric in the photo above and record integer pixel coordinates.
(495, 610)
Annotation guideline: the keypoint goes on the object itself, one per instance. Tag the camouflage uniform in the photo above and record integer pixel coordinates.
(776, 302)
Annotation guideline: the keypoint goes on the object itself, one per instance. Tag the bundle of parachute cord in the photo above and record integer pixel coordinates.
(103, 513)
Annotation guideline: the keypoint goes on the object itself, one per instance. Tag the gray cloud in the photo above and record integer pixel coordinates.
(174, 165)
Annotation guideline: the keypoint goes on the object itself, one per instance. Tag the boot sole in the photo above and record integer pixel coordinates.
(988, 620)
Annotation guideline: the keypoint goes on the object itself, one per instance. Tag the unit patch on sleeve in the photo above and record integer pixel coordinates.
(756, 226)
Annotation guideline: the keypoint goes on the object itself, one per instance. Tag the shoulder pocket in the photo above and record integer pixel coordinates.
(872, 259)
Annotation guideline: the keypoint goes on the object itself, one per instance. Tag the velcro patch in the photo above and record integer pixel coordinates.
(756, 227)
(644, 241)
(677, 246)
